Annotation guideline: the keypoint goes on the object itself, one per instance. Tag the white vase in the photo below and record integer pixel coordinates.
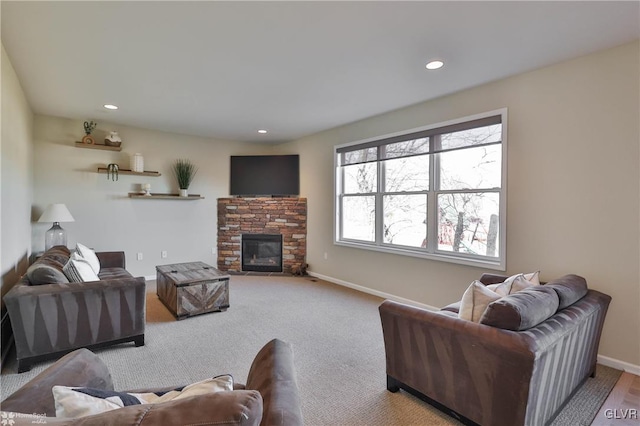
(184, 193)
(137, 163)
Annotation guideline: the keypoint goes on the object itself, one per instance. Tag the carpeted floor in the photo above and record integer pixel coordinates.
(337, 340)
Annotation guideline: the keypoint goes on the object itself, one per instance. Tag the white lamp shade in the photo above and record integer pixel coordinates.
(56, 213)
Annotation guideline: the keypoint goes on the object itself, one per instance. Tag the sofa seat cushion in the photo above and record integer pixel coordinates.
(113, 273)
(522, 310)
(569, 288)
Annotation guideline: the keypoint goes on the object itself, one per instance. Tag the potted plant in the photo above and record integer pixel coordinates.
(184, 170)
(89, 126)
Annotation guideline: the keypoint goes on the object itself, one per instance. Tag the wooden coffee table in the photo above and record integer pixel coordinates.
(192, 288)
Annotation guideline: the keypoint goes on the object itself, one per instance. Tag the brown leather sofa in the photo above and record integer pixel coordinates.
(50, 318)
(270, 396)
(488, 375)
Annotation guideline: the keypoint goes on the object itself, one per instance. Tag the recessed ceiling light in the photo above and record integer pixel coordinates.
(109, 106)
(263, 131)
(434, 65)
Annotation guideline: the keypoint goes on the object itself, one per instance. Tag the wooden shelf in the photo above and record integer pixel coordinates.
(104, 170)
(165, 196)
(98, 146)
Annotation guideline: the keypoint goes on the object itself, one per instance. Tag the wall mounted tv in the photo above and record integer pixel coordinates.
(265, 175)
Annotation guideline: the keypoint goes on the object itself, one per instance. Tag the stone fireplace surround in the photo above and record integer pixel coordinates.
(264, 215)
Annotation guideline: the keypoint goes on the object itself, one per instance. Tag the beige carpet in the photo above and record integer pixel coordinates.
(337, 340)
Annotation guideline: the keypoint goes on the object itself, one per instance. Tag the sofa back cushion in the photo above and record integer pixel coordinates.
(522, 310)
(46, 271)
(569, 288)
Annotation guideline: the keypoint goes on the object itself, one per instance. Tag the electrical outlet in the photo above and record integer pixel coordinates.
(214, 250)
(139, 256)
(326, 256)
(163, 254)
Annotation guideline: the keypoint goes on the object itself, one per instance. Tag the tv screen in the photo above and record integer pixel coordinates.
(265, 175)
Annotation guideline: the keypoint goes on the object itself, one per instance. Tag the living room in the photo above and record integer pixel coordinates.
(573, 183)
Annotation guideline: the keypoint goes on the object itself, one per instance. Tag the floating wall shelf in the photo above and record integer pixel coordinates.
(98, 146)
(104, 170)
(166, 196)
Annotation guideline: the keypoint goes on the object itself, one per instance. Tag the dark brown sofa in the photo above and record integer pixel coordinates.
(483, 374)
(50, 319)
(270, 396)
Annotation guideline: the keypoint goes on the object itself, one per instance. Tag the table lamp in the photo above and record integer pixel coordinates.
(56, 236)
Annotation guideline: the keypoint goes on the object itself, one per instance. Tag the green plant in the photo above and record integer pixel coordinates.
(184, 170)
(89, 126)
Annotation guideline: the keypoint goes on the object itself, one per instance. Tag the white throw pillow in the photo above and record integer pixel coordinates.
(90, 256)
(80, 402)
(533, 277)
(78, 270)
(475, 300)
(517, 282)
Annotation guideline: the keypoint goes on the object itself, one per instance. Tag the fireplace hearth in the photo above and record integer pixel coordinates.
(262, 252)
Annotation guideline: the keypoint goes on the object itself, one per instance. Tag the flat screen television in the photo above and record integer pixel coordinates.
(265, 175)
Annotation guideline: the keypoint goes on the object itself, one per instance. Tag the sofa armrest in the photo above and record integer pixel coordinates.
(457, 363)
(78, 368)
(272, 373)
(111, 259)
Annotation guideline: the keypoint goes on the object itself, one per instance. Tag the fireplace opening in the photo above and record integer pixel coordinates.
(262, 252)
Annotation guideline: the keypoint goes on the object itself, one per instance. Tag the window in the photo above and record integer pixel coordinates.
(435, 192)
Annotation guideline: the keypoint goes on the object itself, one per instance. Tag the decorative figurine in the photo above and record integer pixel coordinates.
(112, 171)
(113, 139)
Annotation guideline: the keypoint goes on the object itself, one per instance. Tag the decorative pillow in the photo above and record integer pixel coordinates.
(475, 300)
(78, 270)
(513, 284)
(453, 307)
(46, 272)
(494, 287)
(522, 310)
(570, 289)
(80, 402)
(90, 256)
(533, 277)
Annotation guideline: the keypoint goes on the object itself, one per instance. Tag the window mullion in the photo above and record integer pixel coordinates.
(379, 190)
(432, 200)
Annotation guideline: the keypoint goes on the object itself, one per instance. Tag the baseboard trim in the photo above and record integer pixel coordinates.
(620, 365)
(604, 360)
(373, 292)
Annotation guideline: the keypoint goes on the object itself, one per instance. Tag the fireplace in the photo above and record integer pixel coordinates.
(262, 252)
(276, 216)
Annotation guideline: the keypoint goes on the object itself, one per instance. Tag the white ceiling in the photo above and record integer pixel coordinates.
(226, 69)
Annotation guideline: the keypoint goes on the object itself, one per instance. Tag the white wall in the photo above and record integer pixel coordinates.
(573, 186)
(106, 218)
(16, 165)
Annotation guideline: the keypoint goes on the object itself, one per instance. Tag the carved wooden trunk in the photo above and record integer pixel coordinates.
(192, 288)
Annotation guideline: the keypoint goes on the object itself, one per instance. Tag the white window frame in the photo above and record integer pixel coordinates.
(431, 252)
